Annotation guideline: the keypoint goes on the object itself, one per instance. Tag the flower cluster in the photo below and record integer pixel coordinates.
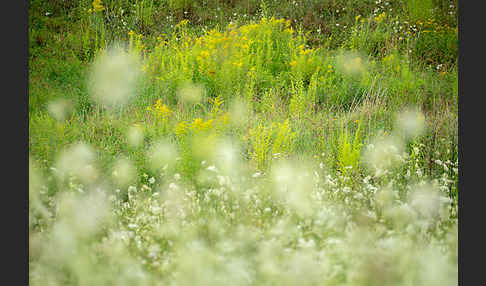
(97, 6)
(160, 110)
(380, 17)
(200, 125)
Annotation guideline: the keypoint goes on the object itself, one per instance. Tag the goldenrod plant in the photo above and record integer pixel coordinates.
(348, 151)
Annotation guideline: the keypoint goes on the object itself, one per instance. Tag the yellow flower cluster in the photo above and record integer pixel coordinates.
(229, 55)
(182, 23)
(181, 128)
(304, 51)
(199, 125)
(97, 6)
(161, 110)
(380, 17)
(303, 57)
(205, 54)
(135, 41)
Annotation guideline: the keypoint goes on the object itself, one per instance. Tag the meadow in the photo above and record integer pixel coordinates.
(177, 142)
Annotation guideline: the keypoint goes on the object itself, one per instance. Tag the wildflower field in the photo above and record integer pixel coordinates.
(218, 142)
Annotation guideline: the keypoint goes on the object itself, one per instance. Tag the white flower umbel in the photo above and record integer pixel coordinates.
(411, 122)
(60, 108)
(162, 153)
(135, 135)
(293, 185)
(113, 77)
(384, 154)
(77, 160)
(123, 172)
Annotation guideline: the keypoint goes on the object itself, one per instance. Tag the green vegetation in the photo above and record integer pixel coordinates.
(243, 142)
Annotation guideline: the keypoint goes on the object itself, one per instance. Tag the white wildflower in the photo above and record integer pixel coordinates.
(132, 189)
(212, 168)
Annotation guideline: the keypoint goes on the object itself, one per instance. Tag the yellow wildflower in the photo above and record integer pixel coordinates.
(182, 23)
(97, 6)
(181, 128)
(380, 17)
(197, 124)
(305, 52)
(207, 125)
(289, 30)
(160, 109)
(205, 54)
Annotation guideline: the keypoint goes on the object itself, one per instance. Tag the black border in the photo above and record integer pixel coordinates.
(15, 119)
(470, 113)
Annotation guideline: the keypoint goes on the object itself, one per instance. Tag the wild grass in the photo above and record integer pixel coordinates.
(242, 142)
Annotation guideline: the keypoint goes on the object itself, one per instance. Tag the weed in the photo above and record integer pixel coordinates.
(348, 154)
